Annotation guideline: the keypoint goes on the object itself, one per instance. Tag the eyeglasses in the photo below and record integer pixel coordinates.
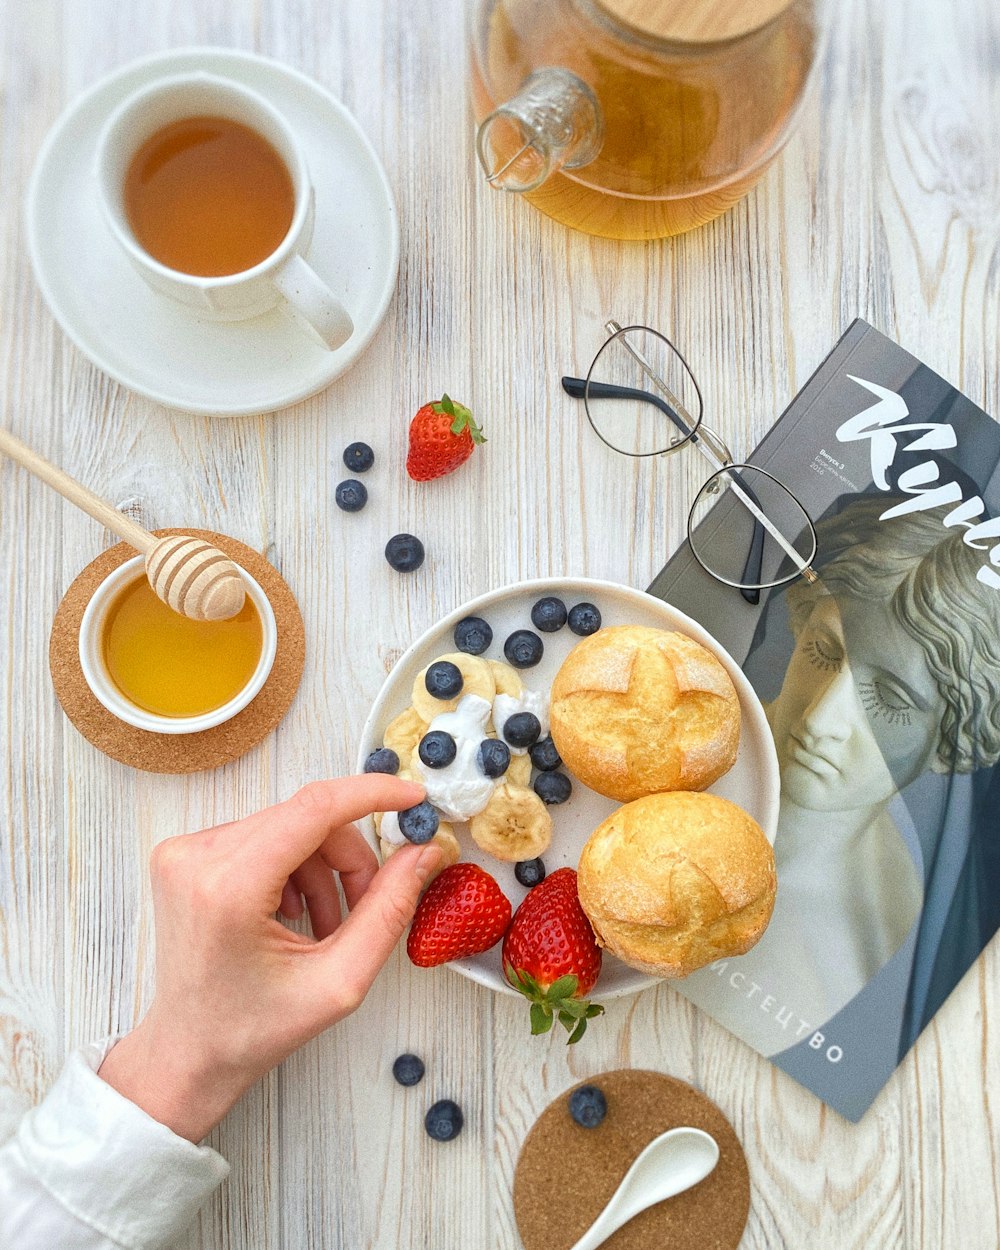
(745, 527)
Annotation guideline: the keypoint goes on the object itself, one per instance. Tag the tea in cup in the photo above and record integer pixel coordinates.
(205, 186)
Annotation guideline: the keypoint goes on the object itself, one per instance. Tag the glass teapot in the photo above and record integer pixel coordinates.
(638, 119)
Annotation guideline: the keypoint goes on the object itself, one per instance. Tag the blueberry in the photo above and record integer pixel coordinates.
(473, 635)
(384, 760)
(493, 757)
(444, 1120)
(359, 457)
(544, 755)
(408, 1070)
(443, 679)
(584, 619)
(588, 1106)
(404, 552)
(549, 614)
(521, 729)
(419, 824)
(529, 872)
(437, 749)
(553, 787)
(351, 496)
(523, 649)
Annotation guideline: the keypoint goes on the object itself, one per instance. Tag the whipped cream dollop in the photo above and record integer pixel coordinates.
(460, 790)
(506, 705)
(390, 830)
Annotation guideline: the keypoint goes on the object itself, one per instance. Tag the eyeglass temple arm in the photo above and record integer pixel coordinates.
(754, 563)
(577, 388)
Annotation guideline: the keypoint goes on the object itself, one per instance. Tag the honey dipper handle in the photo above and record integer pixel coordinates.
(76, 493)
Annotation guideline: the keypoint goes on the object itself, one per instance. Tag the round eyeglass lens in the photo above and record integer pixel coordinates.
(641, 397)
(748, 530)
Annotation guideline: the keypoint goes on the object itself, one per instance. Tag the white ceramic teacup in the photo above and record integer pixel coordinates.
(284, 275)
(107, 693)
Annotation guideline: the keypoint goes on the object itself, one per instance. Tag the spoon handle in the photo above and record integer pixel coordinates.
(597, 1234)
(76, 493)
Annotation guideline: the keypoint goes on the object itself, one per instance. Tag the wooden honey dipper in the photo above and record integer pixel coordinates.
(188, 574)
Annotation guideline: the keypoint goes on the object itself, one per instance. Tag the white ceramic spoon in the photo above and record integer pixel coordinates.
(671, 1163)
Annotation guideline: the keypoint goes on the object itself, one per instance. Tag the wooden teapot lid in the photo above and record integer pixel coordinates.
(695, 21)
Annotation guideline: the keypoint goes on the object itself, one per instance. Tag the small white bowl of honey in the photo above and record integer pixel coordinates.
(163, 672)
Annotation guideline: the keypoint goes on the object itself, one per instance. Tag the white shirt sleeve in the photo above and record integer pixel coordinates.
(89, 1170)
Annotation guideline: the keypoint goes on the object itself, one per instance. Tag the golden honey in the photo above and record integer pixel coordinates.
(169, 665)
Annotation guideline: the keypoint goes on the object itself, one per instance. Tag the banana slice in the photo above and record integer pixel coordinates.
(519, 771)
(507, 679)
(476, 679)
(403, 734)
(514, 825)
(445, 838)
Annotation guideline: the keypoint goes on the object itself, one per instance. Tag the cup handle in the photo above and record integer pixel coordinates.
(315, 303)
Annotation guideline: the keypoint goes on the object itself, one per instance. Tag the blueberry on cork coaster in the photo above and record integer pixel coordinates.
(567, 1170)
(177, 753)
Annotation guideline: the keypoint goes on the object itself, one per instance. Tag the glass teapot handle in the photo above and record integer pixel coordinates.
(554, 122)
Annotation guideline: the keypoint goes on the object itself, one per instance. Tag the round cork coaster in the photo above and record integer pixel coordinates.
(566, 1173)
(177, 753)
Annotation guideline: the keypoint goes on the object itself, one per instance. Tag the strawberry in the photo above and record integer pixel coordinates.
(463, 912)
(442, 437)
(550, 955)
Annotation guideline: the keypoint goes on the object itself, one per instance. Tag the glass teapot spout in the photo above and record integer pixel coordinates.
(554, 122)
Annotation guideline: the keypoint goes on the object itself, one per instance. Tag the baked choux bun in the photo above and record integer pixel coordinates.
(673, 881)
(636, 710)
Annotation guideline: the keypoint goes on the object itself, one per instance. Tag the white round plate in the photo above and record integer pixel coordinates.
(752, 781)
(154, 345)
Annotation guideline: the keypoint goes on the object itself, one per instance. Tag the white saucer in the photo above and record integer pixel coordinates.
(753, 780)
(156, 347)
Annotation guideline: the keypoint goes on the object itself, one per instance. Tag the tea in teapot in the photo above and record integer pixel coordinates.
(638, 119)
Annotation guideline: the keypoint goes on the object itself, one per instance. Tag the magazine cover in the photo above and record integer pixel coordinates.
(881, 681)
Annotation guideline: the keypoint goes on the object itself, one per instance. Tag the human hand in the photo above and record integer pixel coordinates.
(236, 990)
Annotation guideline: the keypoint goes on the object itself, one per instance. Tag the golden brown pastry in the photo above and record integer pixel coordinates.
(674, 881)
(636, 710)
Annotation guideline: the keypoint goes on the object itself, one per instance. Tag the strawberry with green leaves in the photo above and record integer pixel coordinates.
(442, 436)
(550, 955)
(463, 912)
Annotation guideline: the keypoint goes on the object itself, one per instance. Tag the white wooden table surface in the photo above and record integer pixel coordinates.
(885, 204)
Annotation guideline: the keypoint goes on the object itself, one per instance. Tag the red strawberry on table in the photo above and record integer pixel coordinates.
(463, 912)
(442, 437)
(550, 955)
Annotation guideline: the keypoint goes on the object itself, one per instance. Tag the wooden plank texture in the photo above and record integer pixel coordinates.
(885, 204)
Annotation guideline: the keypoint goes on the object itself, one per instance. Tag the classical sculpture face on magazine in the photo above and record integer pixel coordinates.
(896, 666)
(854, 722)
(893, 670)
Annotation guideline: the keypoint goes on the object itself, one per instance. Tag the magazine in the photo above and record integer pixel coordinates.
(881, 682)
